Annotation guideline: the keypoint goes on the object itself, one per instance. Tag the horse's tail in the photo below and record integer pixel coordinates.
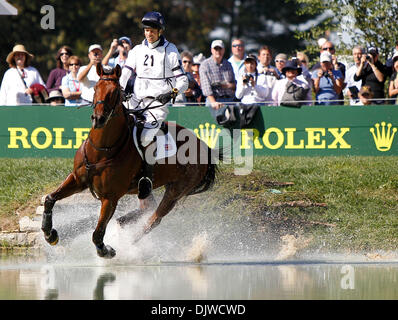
(208, 181)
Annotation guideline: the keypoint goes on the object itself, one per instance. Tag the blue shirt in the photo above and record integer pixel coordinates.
(326, 91)
(73, 85)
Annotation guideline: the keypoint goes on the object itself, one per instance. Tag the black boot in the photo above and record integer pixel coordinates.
(145, 183)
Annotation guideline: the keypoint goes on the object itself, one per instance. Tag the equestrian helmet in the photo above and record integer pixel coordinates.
(153, 19)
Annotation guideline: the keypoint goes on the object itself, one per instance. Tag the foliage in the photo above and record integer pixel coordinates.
(368, 23)
(189, 25)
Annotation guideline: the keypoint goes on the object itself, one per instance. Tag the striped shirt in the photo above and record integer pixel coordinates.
(212, 73)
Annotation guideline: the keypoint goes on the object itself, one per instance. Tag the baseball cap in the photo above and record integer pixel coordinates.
(373, 50)
(94, 46)
(217, 43)
(325, 57)
(281, 56)
(127, 39)
(251, 57)
(395, 56)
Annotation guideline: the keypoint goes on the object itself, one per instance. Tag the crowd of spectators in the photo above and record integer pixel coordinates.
(217, 81)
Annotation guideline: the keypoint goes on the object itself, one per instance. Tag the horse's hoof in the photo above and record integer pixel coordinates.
(106, 252)
(53, 238)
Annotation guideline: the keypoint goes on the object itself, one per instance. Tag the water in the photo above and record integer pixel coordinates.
(177, 280)
(190, 255)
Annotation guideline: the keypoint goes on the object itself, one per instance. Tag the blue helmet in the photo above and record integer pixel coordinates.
(153, 19)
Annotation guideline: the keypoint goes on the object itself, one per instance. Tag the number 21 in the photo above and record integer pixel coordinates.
(146, 59)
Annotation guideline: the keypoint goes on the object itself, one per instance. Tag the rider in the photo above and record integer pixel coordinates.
(159, 78)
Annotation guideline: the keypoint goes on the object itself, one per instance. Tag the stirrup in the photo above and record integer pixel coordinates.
(144, 188)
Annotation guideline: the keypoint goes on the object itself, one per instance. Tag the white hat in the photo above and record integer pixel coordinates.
(94, 46)
(325, 57)
(395, 56)
(198, 59)
(217, 43)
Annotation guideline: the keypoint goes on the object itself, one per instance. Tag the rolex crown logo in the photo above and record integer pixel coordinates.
(207, 135)
(383, 137)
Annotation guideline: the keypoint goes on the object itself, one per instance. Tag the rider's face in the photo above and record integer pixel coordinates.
(151, 34)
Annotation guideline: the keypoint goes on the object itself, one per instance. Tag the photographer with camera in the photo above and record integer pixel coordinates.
(328, 82)
(373, 73)
(118, 52)
(251, 87)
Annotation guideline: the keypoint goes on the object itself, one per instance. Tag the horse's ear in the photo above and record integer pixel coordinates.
(118, 71)
(100, 70)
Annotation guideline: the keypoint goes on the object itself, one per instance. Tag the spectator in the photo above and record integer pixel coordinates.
(296, 88)
(265, 59)
(328, 82)
(197, 60)
(373, 73)
(365, 96)
(280, 61)
(238, 53)
(70, 85)
(328, 46)
(251, 86)
(55, 98)
(18, 79)
(56, 75)
(393, 87)
(352, 87)
(121, 47)
(303, 62)
(87, 74)
(218, 82)
(271, 73)
(193, 93)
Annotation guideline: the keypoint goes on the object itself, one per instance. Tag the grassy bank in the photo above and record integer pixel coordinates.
(341, 202)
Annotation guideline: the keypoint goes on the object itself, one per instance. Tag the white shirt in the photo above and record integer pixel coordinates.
(158, 68)
(249, 94)
(280, 88)
(12, 91)
(88, 83)
(349, 80)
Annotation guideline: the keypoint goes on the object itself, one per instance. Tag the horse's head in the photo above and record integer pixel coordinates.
(107, 95)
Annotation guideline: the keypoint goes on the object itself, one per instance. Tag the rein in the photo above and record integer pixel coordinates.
(91, 168)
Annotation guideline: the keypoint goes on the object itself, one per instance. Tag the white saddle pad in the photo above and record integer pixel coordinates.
(165, 145)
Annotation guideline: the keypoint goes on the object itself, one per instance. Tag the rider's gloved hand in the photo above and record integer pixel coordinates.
(166, 97)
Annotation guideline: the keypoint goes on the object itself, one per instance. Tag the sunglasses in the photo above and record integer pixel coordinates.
(280, 61)
(238, 45)
(73, 64)
(328, 48)
(64, 54)
(187, 61)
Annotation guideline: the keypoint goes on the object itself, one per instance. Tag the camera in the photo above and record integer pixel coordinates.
(325, 74)
(216, 85)
(247, 78)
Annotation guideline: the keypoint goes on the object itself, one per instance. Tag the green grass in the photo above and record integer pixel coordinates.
(23, 180)
(361, 194)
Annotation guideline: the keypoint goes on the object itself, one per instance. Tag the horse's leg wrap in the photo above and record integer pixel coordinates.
(50, 234)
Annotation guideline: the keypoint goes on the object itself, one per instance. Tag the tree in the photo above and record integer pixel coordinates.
(367, 23)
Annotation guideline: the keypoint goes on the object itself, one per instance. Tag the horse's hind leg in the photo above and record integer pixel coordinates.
(146, 204)
(67, 188)
(108, 207)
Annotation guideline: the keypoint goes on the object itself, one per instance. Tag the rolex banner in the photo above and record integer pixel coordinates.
(46, 131)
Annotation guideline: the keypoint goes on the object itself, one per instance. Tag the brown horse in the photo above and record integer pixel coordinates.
(109, 164)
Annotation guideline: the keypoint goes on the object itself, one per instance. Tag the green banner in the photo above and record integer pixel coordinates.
(46, 131)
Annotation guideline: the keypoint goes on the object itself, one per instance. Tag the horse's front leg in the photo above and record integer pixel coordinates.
(108, 207)
(67, 188)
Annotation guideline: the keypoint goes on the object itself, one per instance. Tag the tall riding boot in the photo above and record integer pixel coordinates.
(145, 183)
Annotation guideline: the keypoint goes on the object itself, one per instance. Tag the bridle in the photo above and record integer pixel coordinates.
(111, 113)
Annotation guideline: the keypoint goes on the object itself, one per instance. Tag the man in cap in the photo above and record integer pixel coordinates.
(218, 82)
(159, 73)
(328, 82)
(87, 74)
(122, 46)
(373, 73)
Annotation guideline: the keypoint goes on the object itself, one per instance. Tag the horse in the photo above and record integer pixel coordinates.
(109, 163)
